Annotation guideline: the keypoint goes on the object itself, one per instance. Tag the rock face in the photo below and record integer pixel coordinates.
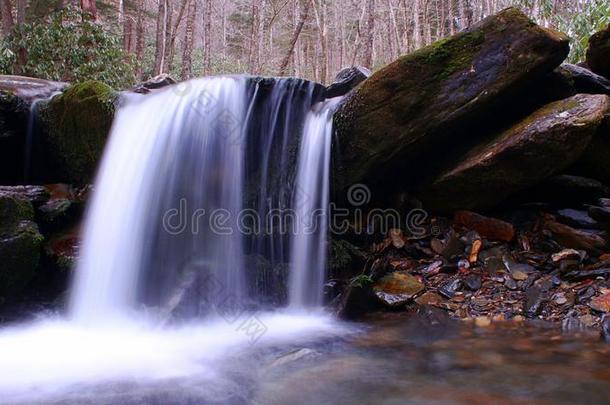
(16, 96)
(403, 113)
(20, 243)
(541, 145)
(78, 123)
(598, 54)
(594, 161)
(568, 80)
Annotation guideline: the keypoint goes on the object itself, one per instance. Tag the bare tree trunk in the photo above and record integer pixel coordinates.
(140, 39)
(22, 6)
(207, 36)
(174, 34)
(89, 7)
(160, 39)
(367, 60)
(295, 38)
(254, 53)
(189, 36)
(7, 17)
(321, 23)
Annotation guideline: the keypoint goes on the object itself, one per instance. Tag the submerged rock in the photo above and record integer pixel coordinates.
(537, 147)
(598, 54)
(405, 111)
(78, 124)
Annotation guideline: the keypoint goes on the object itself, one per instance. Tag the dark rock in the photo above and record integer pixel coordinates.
(535, 298)
(449, 289)
(606, 328)
(487, 227)
(567, 189)
(575, 238)
(20, 244)
(598, 54)
(29, 88)
(578, 219)
(543, 144)
(604, 202)
(473, 282)
(356, 301)
(601, 214)
(397, 289)
(594, 161)
(347, 80)
(154, 83)
(78, 124)
(568, 80)
(403, 113)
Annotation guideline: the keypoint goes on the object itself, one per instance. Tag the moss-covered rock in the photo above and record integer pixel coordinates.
(402, 114)
(20, 243)
(539, 146)
(598, 54)
(78, 123)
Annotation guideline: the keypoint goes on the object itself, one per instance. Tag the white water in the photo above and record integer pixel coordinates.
(163, 149)
(309, 245)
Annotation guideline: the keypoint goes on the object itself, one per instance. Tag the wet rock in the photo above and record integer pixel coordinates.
(574, 238)
(568, 189)
(430, 298)
(403, 113)
(594, 162)
(78, 124)
(397, 289)
(355, 301)
(534, 300)
(567, 254)
(606, 328)
(450, 288)
(578, 219)
(568, 80)
(154, 83)
(29, 88)
(294, 356)
(601, 214)
(472, 282)
(598, 54)
(450, 247)
(61, 249)
(601, 303)
(548, 141)
(347, 80)
(487, 227)
(20, 243)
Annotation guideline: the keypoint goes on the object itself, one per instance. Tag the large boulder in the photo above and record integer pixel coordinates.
(598, 54)
(78, 123)
(436, 96)
(20, 243)
(568, 80)
(539, 146)
(346, 80)
(595, 161)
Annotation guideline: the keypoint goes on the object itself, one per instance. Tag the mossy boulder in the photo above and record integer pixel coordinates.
(539, 146)
(20, 243)
(598, 54)
(78, 123)
(400, 117)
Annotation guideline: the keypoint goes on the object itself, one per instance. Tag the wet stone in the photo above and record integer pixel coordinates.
(578, 219)
(450, 288)
(473, 282)
(397, 289)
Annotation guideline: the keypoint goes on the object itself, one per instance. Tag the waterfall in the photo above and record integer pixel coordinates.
(184, 172)
(309, 250)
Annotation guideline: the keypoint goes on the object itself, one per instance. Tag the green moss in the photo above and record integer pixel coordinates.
(20, 255)
(13, 209)
(78, 123)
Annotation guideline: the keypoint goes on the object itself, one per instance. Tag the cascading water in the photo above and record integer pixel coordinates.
(169, 208)
(199, 185)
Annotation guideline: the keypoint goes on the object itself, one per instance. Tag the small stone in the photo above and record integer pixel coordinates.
(397, 238)
(433, 269)
(577, 218)
(450, 288)
(601, 214)
(519, 275)
(518, 318)
(568, 254)
(473, 282)
(474, 251)
(601, 303)
(560, 299)
(429, 298)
